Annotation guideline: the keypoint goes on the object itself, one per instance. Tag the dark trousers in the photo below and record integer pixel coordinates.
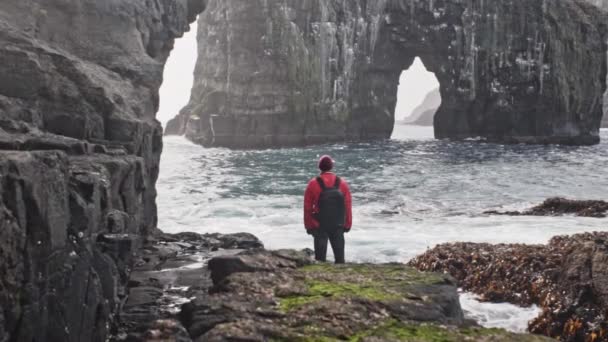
(336, 239)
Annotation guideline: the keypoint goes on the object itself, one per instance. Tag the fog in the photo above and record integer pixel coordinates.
(178, 77)
(415, 82)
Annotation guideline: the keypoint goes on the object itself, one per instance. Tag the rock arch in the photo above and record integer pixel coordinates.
(276, 73)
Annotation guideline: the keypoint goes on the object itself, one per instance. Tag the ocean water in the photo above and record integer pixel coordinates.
(409, 194)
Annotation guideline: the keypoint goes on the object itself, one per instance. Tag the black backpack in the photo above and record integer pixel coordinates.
(331, 205)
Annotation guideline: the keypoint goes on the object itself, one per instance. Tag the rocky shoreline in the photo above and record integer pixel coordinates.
(192, 287)
(167, 273)
(232, 289)
(561, 206)
(567, 278)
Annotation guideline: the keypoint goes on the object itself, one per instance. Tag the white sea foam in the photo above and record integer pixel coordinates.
(506, 316)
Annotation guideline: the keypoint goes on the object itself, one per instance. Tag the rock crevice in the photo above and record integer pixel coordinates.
(261, 295)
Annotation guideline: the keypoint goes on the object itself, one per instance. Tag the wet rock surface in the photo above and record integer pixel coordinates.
(567, 278)
(169, 270)
(260, 295)
(561, 206)
(68, 235)
(79, 154)
(305, 71)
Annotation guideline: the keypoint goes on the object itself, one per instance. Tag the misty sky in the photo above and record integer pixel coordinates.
(415, 83)
(178, 79)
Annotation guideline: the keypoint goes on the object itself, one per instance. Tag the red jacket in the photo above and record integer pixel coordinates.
(311, 201)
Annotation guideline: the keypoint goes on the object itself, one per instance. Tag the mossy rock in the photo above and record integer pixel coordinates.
(399, 331)
(393, 330)
(274, 297)
(383, 283)
(420, 332)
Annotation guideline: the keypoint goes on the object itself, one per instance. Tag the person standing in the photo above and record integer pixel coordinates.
(328, 211)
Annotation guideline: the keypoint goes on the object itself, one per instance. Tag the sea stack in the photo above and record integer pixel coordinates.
(297, 72)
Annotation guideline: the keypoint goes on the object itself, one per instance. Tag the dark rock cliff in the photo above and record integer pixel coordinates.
(603, 4)
(276, 73)
(79, 154)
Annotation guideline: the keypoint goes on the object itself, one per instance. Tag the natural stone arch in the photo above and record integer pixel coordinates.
(505, 67)
(276, 73)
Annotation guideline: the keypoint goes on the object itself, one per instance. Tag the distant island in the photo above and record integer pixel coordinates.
(423, 114)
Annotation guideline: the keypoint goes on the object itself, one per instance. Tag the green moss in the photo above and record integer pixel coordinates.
(367, 291)
(320, 267)
(425, 332)
(291, 303)
(400, 331)
(388, 274)
(318, 339)
(371, 282)
(482, 331)
(395, 330)
(306, 339)
(318, 290)
(404, 332)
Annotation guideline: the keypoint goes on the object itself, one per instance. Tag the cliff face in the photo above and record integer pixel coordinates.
(79, 153)
(603, 4)
(275, 73)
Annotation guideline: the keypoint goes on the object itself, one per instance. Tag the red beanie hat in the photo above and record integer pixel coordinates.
(326, 163)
